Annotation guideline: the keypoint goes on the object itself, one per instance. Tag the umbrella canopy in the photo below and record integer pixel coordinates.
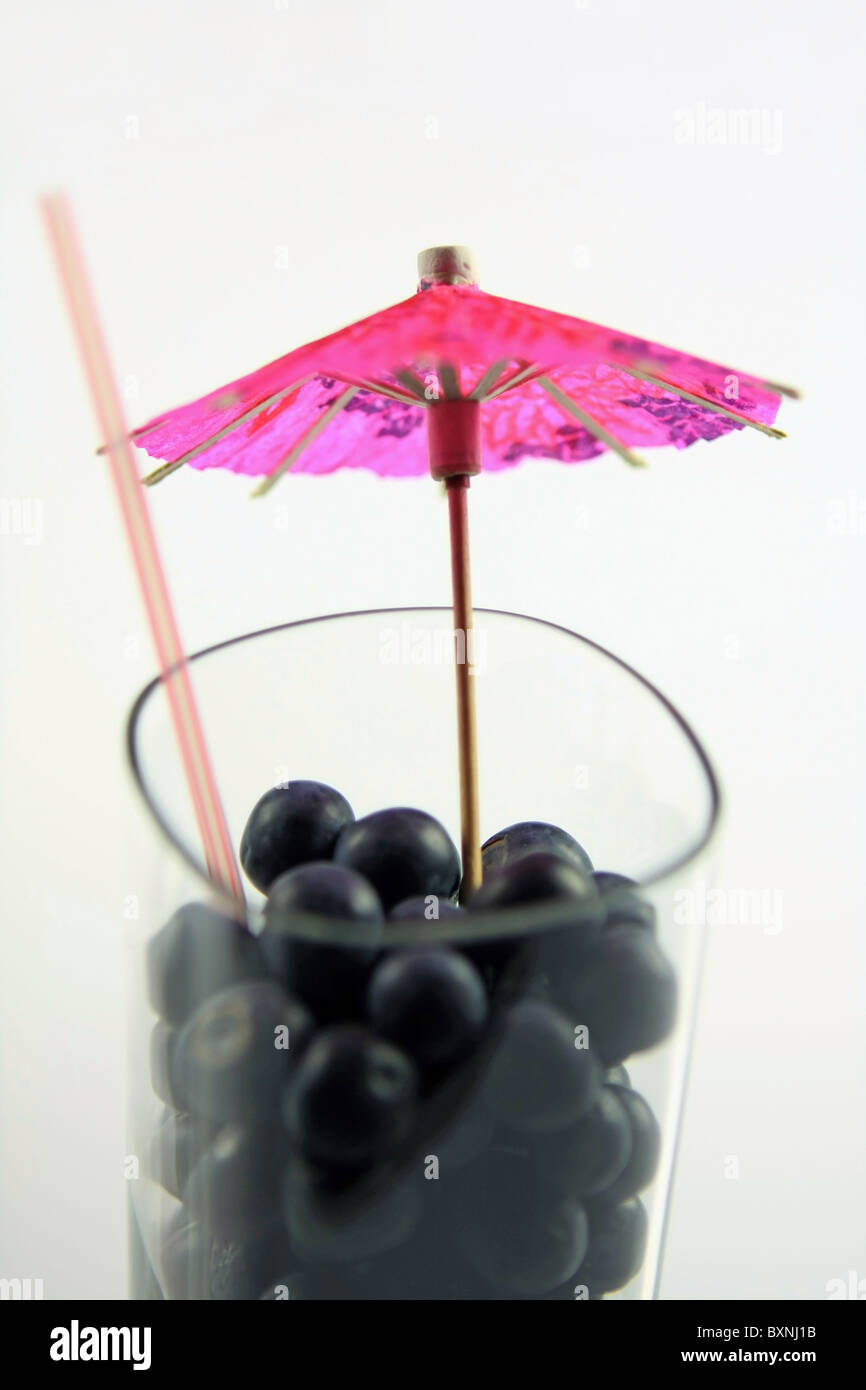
(553, 386)
(495, 381)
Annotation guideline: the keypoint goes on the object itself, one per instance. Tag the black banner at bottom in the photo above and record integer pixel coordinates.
(64, 1338)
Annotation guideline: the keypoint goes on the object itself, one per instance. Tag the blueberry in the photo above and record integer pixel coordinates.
(330, 978)
(352, 1099)
(322, 890)
(539, 878)
(185, 1253)
(342, 1226)
(532, 837)
(621, 903)
(430, 1000)
(538, 1080)
(617, 1239)
(607, 882)
(644, 1148)
(198, 952)
(617, 1076)
(589, 1156)
(424, 909)
(626, 993)
(162, 1044)
(403, 852)
(289, 826)
(427, 1266)
(235, 1186)
(536, 878)
(462, 1138)
(503, 962)
(240, 1269)
(522, 1236)
(233, 1057)
(176, 1147)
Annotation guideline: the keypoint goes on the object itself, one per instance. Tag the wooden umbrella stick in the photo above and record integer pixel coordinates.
(454, 449)
(454, 444)
(464, 639)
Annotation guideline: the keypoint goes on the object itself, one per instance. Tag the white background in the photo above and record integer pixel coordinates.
(247, 176)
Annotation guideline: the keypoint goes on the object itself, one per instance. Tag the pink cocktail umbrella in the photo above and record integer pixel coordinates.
(448, 382)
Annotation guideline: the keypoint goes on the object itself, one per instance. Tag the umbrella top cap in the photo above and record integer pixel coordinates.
(446, 265)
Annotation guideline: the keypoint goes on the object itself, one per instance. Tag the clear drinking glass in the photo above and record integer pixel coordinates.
(509, 1180)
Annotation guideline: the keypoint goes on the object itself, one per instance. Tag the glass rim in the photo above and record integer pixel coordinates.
(489, 924)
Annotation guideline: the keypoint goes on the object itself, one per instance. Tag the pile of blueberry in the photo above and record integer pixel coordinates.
(348, 1117)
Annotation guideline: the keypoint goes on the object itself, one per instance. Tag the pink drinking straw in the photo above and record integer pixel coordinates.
(219, 855)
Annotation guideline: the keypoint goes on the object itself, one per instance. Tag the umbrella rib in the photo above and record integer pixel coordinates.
(516, 379)
(449, 381)
(414, 385)
(380, 388)
(700, 400)
(490, 377)
(305, 440)
(133, 434)
(598, 431)
(166, 469)
(790, 391)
